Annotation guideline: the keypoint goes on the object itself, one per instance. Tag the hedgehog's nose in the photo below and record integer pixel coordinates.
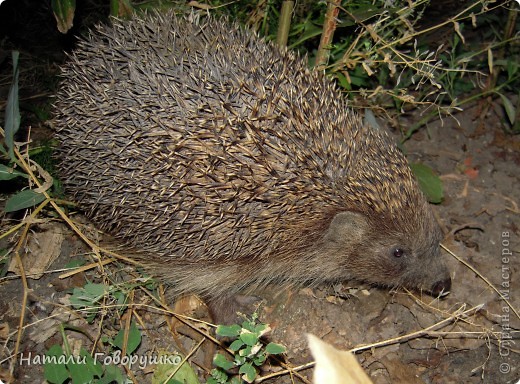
(441, 288)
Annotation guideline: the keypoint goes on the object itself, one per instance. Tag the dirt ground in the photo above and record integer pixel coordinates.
(471, 336)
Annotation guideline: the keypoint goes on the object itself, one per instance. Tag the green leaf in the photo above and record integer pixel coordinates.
(96, 291)
(217, 376)
(249, 325)
(512, 68)
(88, 295)
(8, 173)
(241, 358)
(134, 339)
(75, 263)
(429, 182)
(112, 374)
(82, 371)
(169, 363)
(343, 81)
(63, 13)
(23, 199)
(249, 338)
(236, 345)
(55, 373)
(359, 81)
(229, 330)
(260, 358)
(248, 372)
(121, 8)
(365, 12)
(311, 31)
(12, 110)
(275, 349)
(186, 374)
(90, 364)
(510, 109)
(220, 361)
(259, 329)
(121, 299)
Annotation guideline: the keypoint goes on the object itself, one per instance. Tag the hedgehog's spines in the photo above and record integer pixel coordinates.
(224, 160)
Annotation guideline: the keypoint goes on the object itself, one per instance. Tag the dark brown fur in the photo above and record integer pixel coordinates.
(229, 165)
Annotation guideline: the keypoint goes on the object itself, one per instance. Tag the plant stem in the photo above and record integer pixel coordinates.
(329, 26)
(285, 23)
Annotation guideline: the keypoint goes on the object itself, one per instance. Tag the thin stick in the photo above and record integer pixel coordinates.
(473, 269)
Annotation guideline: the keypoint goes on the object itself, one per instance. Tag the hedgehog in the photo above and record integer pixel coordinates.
(224, 164)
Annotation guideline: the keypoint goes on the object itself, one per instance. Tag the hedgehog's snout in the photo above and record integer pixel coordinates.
(441, 288)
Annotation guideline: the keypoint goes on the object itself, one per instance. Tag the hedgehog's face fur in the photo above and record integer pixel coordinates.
(383, 230)
(388, 255)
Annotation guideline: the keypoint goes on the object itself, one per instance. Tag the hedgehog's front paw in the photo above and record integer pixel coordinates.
(227, 309)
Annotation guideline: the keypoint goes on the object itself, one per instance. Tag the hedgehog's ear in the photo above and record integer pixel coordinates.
(347, 225)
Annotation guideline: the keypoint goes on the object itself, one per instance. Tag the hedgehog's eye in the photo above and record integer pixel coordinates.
(398, 252)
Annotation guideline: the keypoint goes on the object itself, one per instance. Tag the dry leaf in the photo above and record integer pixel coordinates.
(42, 249)
(334, 366)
